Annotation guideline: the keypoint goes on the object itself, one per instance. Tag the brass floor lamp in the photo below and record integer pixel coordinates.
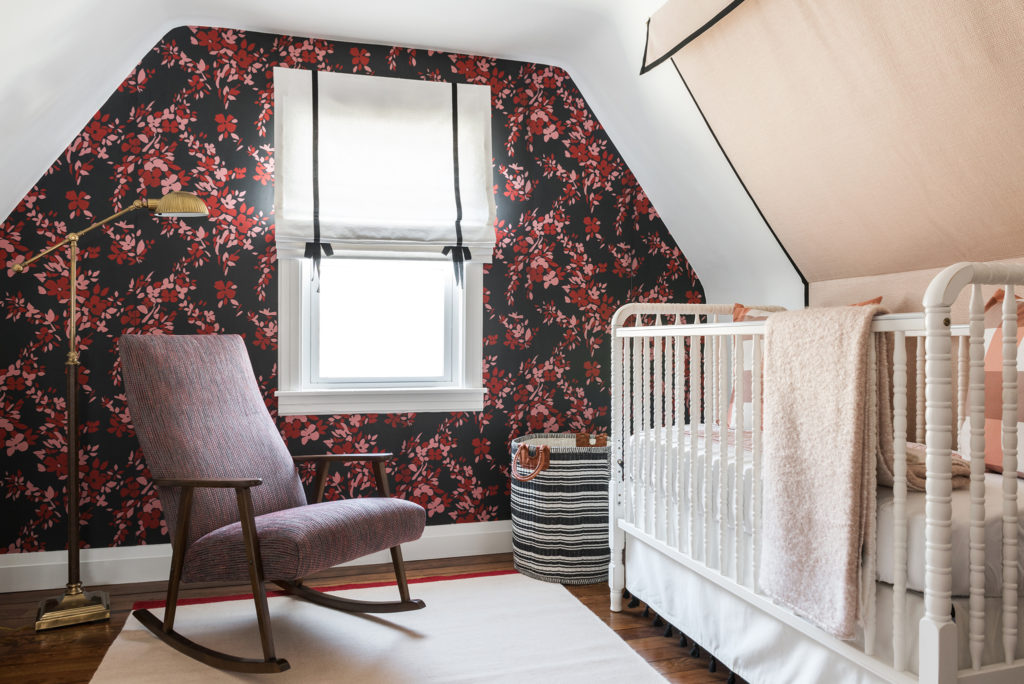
(76, 605)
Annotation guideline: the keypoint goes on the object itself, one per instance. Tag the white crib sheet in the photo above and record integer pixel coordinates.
(961, 538)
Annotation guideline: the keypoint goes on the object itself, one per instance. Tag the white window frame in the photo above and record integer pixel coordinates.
(299, 395)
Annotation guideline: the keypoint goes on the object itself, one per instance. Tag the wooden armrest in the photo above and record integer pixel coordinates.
(224, 483)
(324, 460)
(382, 457)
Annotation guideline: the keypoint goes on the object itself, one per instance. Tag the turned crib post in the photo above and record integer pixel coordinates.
(616, 479)
(938, 636)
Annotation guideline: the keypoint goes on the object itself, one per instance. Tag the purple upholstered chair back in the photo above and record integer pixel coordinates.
(198, 413)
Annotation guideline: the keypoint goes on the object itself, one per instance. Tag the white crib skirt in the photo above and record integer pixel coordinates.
(761, 648)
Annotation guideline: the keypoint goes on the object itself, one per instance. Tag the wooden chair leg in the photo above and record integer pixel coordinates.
(320, 482)
(380, 474)
(164, 630)
(259, 592)
(399, 565)
(177, 558)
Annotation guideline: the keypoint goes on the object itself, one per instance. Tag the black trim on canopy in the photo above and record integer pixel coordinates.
(685, 41)
(800, 274)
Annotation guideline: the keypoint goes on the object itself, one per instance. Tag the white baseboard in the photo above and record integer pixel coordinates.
(120, 565)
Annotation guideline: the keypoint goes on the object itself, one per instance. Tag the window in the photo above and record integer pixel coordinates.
(381, 325)
(417, 297)
(387, 339)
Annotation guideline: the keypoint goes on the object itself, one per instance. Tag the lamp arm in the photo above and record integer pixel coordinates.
(137, 204)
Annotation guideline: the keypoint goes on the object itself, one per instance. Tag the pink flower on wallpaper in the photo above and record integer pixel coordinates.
(16, 443)
(309, 433)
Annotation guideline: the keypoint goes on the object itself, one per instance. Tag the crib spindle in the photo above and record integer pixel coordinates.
(899, 496)
(919, 392)
(711, 380)
(669, 449)
(680, 445)
(976, 627)
(637, 442)
(626, 428)
(737, 476)
(695, 402)
(723, 450)
(658, 474)
(755, 479)
(1009, 475)
(962, 380)
(648, 439)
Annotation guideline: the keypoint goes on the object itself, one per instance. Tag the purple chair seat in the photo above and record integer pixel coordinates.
(296, 542)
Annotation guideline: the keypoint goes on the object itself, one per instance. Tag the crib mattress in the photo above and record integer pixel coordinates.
(961, 538)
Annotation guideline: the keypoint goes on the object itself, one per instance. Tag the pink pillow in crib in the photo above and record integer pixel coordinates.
(745, 313)
(994, 384)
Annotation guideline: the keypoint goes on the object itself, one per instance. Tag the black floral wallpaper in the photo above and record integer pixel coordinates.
(577, 237)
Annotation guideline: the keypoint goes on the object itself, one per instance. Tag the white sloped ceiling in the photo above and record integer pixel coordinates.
(63, 58)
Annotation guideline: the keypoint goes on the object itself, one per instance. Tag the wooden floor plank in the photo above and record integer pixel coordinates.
(70, 655)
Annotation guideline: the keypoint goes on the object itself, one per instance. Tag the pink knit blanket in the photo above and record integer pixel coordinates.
(823, 412)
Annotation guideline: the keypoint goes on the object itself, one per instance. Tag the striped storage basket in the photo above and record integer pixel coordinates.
(560, 517)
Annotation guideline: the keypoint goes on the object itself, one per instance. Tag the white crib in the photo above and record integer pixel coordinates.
(685, 501)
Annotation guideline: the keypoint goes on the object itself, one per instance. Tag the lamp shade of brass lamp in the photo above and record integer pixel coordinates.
(178, 204)
(77, 606)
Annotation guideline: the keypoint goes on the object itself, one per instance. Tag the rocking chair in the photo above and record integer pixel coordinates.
(231, 493)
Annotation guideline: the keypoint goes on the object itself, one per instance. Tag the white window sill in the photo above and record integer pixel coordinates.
(405, 400)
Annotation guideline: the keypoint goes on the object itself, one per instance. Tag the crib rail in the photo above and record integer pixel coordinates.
(680, 370)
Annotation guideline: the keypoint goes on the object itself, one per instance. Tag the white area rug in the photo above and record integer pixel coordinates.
(504, 628)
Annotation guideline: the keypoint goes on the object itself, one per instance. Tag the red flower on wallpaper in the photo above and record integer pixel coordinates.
(226, 292)
(360, 59)
(78, 203)
(226, 125)
(98, 129)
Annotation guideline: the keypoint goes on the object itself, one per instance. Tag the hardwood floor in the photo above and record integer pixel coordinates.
(70, 655)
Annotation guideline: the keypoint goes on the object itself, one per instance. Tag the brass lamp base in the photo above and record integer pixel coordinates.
(73, 608)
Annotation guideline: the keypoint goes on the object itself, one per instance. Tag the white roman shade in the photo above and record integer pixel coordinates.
(397, 171)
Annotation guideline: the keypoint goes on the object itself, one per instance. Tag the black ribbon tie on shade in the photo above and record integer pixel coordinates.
(460, 253)
(316, 248)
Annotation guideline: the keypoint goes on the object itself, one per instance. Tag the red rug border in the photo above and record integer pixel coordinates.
(146, 605)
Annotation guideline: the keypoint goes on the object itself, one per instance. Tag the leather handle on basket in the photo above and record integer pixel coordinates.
(585, 439)
(523, 459)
